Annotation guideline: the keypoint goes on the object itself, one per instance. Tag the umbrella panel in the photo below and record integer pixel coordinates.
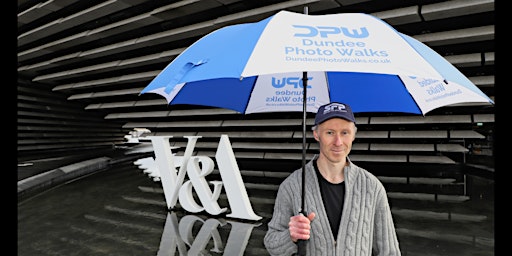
(229, 93)
(366, 92)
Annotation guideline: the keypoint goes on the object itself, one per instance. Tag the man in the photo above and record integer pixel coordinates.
(347, 206)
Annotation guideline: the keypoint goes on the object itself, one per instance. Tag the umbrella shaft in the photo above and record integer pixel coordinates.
(304, 112)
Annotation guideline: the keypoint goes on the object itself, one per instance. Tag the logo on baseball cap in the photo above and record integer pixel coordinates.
(334, 109)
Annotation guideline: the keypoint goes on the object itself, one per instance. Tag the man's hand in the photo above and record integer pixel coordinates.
(300, 227)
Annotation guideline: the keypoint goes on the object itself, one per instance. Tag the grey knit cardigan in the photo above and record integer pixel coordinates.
(366, 226)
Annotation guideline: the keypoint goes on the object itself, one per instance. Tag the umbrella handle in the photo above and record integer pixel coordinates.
(301, 244)
(301, 248)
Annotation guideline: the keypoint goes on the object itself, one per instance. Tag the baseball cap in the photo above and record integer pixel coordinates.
(334, 109)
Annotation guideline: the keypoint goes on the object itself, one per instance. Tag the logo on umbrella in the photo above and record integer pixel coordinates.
(294, 80)
(324, 31)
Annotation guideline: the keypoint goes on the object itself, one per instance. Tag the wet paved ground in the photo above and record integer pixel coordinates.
(121, 211)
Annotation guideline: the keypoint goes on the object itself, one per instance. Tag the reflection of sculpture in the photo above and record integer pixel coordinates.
(149, 166)
(180, 234)
(197, 168)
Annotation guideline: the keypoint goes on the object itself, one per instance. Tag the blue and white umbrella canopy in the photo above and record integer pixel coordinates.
(352, 58)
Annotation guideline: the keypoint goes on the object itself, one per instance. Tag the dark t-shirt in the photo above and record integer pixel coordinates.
(333, 196)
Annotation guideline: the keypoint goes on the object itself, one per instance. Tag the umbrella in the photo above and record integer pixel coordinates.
(353, 58)
(298, 62)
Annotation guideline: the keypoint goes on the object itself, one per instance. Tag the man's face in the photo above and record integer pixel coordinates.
(335, 137)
